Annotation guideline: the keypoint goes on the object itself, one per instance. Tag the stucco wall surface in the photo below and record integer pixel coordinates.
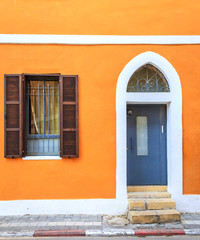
(93, 174)
(128, 17)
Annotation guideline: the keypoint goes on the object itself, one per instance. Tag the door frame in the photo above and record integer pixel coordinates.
(172, 99)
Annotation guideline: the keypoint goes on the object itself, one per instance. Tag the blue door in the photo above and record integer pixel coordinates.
(146, 145)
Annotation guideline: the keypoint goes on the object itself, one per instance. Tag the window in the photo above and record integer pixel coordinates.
(41, 115)
(147, 79)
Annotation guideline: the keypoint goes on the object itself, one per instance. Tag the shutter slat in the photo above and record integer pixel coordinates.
(13, 119)
(69, 144)
(69, 124)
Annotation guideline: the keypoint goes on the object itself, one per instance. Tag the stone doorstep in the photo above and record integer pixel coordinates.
(137, 204)
(154, 216)
(151, 204)
(146, 188)
(160, 204)
(149, 195)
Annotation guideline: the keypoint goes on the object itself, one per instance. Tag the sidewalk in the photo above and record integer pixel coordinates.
(91, 225)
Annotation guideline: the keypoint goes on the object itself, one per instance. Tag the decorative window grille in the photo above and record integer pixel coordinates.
(42, 115)
(148, 79)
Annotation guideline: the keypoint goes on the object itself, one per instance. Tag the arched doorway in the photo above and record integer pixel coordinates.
(171, 99)
(147, 130)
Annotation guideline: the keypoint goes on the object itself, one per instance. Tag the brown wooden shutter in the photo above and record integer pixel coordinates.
(69, 124)
(13, 116)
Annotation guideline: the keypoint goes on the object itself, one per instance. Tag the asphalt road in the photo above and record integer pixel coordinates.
(186, 237)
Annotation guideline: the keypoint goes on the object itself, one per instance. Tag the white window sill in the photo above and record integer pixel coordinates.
(42, 158)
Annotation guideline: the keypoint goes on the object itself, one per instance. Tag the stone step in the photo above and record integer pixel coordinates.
(153, 216)
(137, 204)
(160, 204)
(148, 195)
(147, 188)
(151, 204)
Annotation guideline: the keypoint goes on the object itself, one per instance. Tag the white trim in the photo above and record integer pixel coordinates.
(174, 127)
(42, 158)
(88, 206)
(97, 39)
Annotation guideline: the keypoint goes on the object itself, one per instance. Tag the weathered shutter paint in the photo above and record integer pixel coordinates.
(13, 116)
(69, 118)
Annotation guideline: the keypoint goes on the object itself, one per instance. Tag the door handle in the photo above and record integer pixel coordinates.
(131, 143)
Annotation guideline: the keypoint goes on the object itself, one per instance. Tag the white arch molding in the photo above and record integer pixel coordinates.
(173, 100)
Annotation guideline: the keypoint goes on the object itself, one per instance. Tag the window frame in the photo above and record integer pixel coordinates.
(63, 80)
(25, 120)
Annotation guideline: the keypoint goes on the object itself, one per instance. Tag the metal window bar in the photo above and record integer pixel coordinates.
(48, 116)
(42, 141)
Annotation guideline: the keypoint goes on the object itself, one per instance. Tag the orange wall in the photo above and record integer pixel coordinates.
(92, 175)
(128, 17)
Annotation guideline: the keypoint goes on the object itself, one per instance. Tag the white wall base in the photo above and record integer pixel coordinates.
(88, 206)
(187, 203)
(184, 203)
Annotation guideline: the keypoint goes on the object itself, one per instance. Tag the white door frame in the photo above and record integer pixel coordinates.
(173, 99)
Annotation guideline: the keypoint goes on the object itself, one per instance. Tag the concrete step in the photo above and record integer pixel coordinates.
(153, 216)
(147, 188)
(151, 204)
(148, 195)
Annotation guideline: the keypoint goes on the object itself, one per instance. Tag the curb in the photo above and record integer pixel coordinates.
(110, 233)
(58, 233)
(115, 232)
(159, 232)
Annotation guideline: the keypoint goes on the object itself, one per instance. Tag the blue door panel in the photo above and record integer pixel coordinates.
(150, 169)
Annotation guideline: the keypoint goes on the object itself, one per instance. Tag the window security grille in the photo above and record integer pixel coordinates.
(42, 115)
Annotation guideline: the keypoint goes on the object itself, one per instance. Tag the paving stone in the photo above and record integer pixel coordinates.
(54, 220)
(23, 224)
(2, 229)
(93, 218)
(99, 218)
(170, 226)
(192, 226)
(191, 216)
(76, 218)
(89, 218)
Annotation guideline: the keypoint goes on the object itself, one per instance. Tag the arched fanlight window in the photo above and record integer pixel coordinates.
(147, 79)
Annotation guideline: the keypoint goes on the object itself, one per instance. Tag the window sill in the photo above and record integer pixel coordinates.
(42, 158)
